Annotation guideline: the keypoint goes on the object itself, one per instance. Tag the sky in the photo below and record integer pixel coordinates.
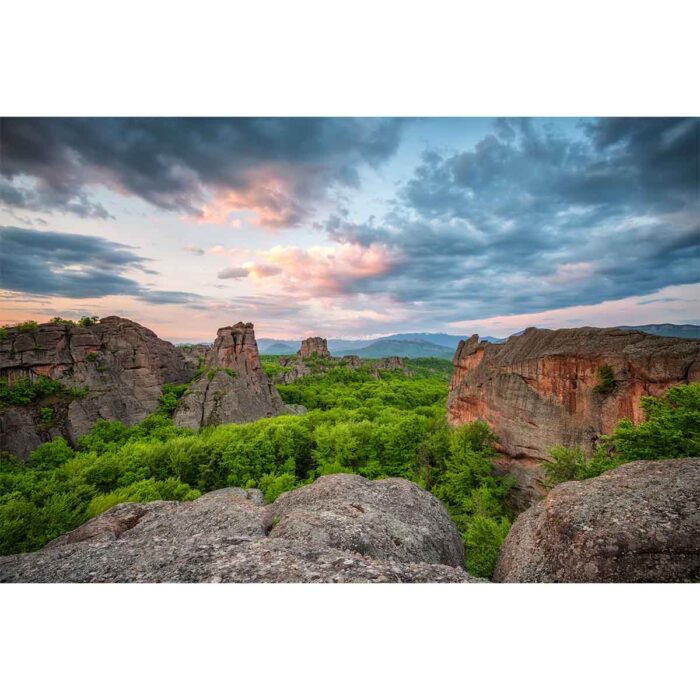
(348, 227)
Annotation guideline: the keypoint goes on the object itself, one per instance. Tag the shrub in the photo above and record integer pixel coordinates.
(46, 415)
(24, 391)
(87, 321)
(58, 319)
(606, 380)
(671, 429)
(567, 464)
(27, 326)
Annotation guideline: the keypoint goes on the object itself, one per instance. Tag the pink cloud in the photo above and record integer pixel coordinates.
(325, 271)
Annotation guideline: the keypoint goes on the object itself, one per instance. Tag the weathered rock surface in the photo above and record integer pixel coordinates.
(342, 528)
(311, 347)
(351, 361)
(538, 389)
(122, 365)
(637, 523)
(194, 354)
(392, 363)
(295, 369)
(386, 519)
(233, 388)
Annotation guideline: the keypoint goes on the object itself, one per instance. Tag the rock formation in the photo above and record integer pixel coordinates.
(233, 388)
(351, 361)
(314, 347)
(392, 364)
(121, 364)
(539, 389)
(194, 354)
(342, 528)
(637, 523)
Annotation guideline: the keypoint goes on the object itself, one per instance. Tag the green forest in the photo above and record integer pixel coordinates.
(391, 426)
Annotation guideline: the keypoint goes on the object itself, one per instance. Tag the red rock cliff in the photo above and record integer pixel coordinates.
(538, 389)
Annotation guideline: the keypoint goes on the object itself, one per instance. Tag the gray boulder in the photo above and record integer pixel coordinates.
(637, 523)
(390, 531)
(386, 519)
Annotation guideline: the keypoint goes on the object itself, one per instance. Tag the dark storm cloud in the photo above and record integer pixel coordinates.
(70, 265)
(176, 164)
(534, 218)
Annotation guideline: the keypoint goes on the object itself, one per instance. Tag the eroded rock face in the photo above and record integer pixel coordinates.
(314, 347)
(122, 365)
(342, 528)
(637, 523)
(538, 389)
(233, 388)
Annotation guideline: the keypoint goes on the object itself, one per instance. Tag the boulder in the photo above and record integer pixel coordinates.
(233, 388)
(637, 523)
(342, 528)
(387, 519)
(314, 347)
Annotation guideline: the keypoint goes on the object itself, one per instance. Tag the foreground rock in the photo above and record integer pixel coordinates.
(314, 347)
(121, 366)
(538, 389)
(233, 388)
(342, 528)
(637, 523)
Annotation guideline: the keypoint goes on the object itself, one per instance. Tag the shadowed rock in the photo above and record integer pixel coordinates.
(121, 364)
(637, 523)
(342, 528)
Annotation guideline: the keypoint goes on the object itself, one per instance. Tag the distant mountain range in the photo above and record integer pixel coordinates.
(671, 330)
(435, 344)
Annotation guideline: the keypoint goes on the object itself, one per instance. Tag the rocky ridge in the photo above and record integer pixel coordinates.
(341, 528)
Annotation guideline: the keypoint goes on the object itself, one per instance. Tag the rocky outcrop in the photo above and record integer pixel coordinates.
(194, 355)
(314, 347)
(232, 388)
(351, 361)
(391, 364)
(295, 369)
(342, 528)
(637, 523)
(120, 364)
(539, 389)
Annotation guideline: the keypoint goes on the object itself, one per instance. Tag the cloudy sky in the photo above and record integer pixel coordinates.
(351, 227)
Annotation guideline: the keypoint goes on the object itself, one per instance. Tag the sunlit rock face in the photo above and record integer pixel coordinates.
(317, 347)
(232, 388)
(120, 364)
(541, 388)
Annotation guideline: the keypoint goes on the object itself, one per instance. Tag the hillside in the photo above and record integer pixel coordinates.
(404, 348)
(671, 330)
